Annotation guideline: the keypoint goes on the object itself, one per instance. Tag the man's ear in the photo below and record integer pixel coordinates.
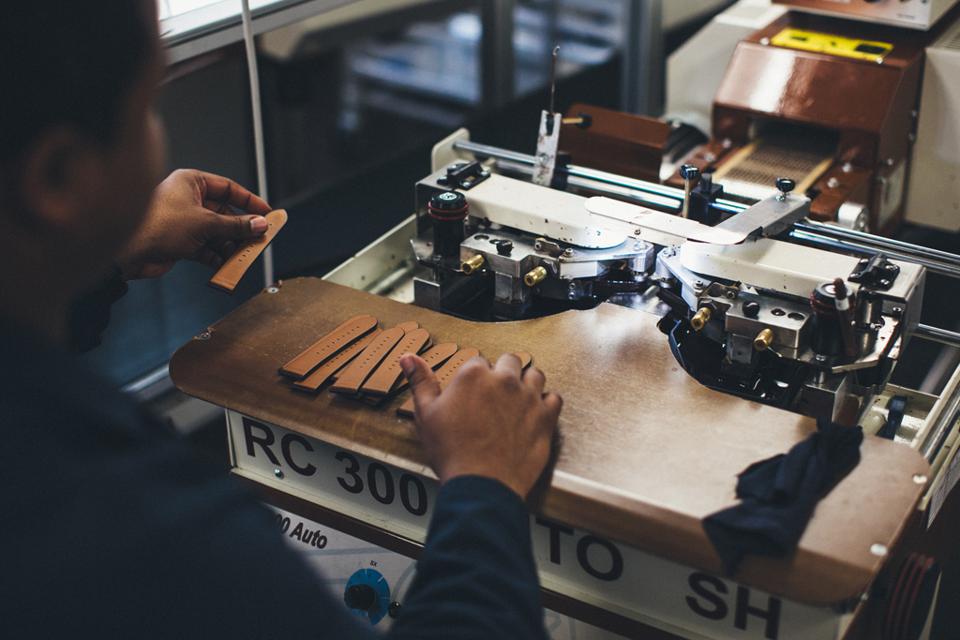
(61, 175)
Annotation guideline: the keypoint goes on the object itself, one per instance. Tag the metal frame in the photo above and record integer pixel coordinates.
(496, 53)
(642, 58)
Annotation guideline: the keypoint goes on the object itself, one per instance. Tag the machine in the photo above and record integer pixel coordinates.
(711, 297)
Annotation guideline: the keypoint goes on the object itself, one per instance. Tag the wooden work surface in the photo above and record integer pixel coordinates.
(647, 452)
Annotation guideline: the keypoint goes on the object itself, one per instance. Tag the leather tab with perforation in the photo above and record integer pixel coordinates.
(228, 276)
(328, 369)
(324, 348)
(359, 370)
(388, 373)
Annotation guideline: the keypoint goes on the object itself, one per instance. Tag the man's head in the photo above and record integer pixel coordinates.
(80, 148)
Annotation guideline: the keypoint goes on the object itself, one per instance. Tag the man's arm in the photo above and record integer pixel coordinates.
(476, 578)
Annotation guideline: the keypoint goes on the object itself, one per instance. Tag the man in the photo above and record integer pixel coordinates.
(111, 528)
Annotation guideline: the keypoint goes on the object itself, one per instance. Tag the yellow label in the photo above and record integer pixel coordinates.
(834, 45)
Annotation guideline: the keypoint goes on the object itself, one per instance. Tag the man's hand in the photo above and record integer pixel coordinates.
(494, 422)
(192, 216)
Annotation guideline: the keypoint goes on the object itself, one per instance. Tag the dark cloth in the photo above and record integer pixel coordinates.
(112, 528)
(778, 495)
(90, 312)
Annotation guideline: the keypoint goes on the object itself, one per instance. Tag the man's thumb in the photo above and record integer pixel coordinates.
(423, 382)
(227, 227)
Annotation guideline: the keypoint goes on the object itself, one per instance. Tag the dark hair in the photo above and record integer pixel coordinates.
(68, 62)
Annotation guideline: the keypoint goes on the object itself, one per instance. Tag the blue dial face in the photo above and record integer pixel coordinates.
(367, 594)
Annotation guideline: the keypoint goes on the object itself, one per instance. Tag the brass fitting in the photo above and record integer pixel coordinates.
(700, 318)
(472, 264)
(535, 276)
(763, 340)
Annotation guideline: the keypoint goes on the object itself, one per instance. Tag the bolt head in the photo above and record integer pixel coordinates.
(278, 472)
(786, 185)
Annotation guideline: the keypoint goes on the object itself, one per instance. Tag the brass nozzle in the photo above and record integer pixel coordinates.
(700, 318)
(763, 340)
(472, 264)
(535, 276)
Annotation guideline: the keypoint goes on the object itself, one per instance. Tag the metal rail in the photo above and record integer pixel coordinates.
(942, 417)
(936, 334)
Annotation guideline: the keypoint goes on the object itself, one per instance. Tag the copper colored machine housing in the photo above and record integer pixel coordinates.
(864, 110)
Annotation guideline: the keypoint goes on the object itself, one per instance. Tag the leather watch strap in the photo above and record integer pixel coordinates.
(434, 357)
(228, 276)
(410, 325)
(444, 375)
(357, 371)
(385, 377)
(326, 371)
(345, 334)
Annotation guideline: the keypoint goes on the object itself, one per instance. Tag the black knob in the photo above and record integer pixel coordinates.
(505, 247)
(689, 172)
(785, 185)
(448, 201)
(751, 308)
(360, 596)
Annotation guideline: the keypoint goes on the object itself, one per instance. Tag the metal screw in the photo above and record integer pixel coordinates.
(919, 478)
(636, 232)
(878, 549)
(277, 471)
(820, 357)
(538, 245)
(273, 289)
(832, 182)
(205, 335)
(897, 311)
(568, 252)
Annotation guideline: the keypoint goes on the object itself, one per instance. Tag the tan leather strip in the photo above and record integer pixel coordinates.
(327, 370)
(229, 274)
(345, 334)
(434, 357)
(357, 371)
(409, 326)
(385, 377)
(444, 375)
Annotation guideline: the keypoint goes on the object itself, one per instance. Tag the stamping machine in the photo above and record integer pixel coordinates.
(760, 299)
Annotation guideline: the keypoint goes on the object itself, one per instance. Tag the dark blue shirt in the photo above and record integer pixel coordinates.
(113, 528)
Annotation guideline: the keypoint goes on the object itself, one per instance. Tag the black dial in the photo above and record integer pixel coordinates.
(360, 596)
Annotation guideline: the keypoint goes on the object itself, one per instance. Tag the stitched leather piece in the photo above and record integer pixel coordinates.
(434, 357)
(385, 377)
(444, 375)
(345, 334)
(326, 371)
(233, 269)
(357, 371)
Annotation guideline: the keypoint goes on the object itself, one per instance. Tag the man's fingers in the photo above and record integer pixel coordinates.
(509, 363)
(535, 379)
(423, 382)
(227, 191)
(553, 404)
(235, 227)
(210, 258)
